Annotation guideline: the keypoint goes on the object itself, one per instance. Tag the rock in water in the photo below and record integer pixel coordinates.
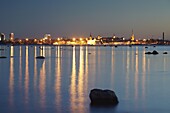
(148, 53)
(103, 97)
(155, 52)
(165, 52)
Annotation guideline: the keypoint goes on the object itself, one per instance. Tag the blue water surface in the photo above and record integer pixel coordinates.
(61, 83)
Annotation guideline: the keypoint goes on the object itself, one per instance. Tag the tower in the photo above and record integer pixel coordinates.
(90, 36)
(133, 36)
(11, 37)
(163, 36)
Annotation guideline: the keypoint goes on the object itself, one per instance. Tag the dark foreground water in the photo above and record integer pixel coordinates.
(61, 83)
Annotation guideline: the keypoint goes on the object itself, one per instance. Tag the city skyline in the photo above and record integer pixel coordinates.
(76, 18)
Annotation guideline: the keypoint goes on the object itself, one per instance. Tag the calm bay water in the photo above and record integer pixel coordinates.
(62, 81)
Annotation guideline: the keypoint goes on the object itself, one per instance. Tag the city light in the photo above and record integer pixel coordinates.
(98, 40)
(55, 43)
(144, 40)
(35, 40)
(74, 39)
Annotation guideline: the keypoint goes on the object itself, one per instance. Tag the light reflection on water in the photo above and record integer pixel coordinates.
(26, 81)
(58, 80)
(62, 81)
(20, 67)
(11, 80)
(73, 83)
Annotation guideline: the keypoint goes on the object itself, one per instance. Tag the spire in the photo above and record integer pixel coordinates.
(133, 36)
(90, 36)
(114, 36)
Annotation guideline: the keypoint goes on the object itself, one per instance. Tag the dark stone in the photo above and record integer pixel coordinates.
(155, 52)
(103, 97)
(3, 57)
(148, 53)
(40, 57)
(165, 52)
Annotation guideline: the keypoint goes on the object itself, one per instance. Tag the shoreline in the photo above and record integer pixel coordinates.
(130, 45)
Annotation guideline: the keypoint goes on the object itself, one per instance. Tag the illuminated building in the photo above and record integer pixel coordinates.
(11, 37)
(91, 41)
(47, 36)
(2, 37)
(106, 40)
(47, 39)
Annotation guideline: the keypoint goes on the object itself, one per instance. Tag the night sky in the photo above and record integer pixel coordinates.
(77, 18)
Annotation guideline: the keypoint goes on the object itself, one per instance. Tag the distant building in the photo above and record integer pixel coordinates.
(107, 40)
(99, 37)
(47, 39)
(2, 37)
(47, 36)
(91, 40)
(11, 37)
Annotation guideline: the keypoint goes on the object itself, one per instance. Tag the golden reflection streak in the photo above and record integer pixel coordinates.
(112, 66)
(49, 65)
(73, 84)
(98, 59)
(93, 61)
(26, 76)
(35, 68)
(11, 80)
(20, 66)
(136, 73)
(12, 51)
(81, 82)
(42, 50)
(148, 65)
(58, 79)
(144, 74)
(132, 59)
(127, 72)
(86, 70)
(42, 84)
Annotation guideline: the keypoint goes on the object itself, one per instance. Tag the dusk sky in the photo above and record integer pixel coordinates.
(75, 18)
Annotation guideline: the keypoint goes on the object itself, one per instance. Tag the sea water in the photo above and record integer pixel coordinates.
(61, 82)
